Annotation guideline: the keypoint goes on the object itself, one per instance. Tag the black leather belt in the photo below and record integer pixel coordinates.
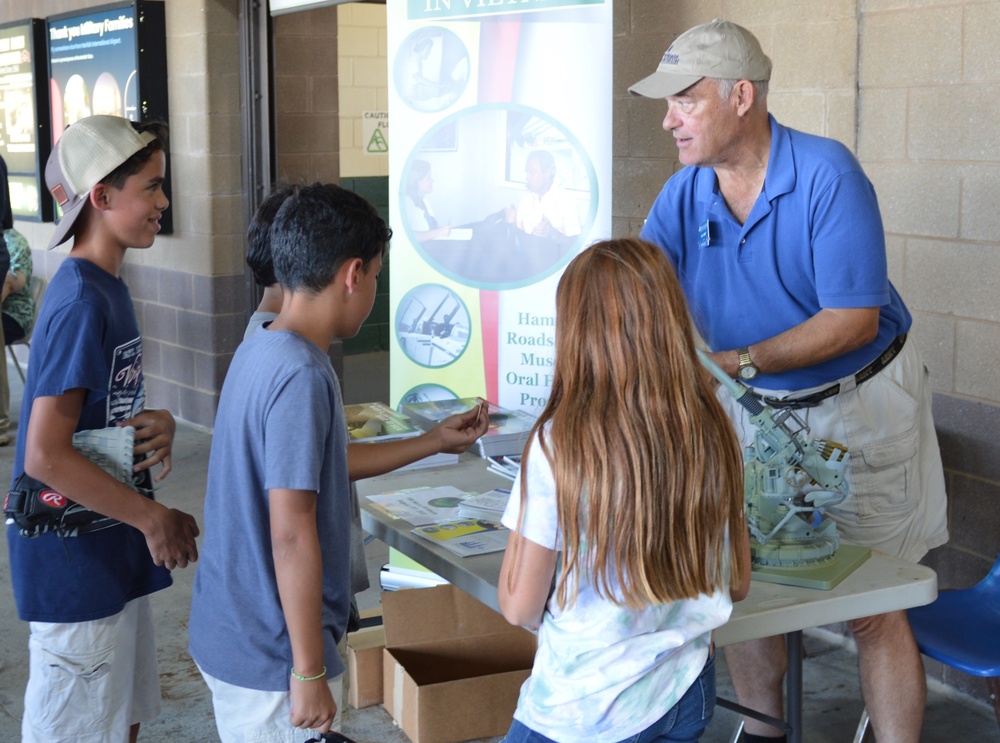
(811, 400)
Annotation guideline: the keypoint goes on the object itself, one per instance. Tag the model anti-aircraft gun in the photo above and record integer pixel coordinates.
(788, 480)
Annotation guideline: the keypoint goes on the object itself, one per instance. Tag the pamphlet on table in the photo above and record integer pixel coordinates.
(466, 537)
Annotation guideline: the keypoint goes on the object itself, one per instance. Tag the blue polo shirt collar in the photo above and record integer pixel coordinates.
(780, 179)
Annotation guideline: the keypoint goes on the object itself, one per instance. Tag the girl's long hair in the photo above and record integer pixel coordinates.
(648, 471)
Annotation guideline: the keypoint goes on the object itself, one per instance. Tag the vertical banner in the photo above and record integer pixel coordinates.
(500, 173)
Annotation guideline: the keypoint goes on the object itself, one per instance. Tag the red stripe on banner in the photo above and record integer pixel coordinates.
(489, 314)
(498, 47)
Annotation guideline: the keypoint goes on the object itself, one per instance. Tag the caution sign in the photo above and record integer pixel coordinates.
(375, 132)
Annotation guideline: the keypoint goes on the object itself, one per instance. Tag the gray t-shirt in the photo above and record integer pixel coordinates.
(359, 566)
(280, 424)
(257, 319)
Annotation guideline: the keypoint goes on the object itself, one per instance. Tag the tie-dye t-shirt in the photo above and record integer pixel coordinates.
(604, 672)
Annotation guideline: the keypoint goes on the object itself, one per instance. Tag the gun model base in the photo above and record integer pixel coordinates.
(792, 553)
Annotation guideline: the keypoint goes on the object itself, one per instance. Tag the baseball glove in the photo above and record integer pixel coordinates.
(36, 508)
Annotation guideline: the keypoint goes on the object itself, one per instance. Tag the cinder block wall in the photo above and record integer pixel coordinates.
(364, 86)
(928, 132)
(911, 87)
(188, 288)
(305, 96)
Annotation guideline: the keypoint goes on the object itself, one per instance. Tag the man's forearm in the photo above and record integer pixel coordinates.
(826, 335)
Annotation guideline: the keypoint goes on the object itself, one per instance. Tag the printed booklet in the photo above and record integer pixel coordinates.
(421, 506)
(466, 537)
(376, 421)
(507, 434)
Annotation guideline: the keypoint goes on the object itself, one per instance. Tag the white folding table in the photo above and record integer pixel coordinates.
(880, 584)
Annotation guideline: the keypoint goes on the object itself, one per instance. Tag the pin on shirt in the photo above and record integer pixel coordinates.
(705, 234)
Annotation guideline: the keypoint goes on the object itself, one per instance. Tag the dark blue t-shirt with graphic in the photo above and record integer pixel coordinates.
(86, 337)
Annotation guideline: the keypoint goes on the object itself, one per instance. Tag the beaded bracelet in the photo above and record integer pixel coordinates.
(317, 677)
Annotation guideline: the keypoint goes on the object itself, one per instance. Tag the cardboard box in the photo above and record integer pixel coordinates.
(364, 663)
(452, 667)
(364, 667)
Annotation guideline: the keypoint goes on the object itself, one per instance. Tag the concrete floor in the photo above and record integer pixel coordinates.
(832, 704)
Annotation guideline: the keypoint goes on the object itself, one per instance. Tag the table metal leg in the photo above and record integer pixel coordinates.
(793, 686)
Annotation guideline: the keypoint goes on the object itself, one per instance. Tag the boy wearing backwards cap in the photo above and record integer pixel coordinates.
(92, 654)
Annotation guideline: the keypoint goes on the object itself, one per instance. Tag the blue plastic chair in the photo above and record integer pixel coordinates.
(962, 629)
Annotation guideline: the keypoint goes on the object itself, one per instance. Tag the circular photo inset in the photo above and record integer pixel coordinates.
(76, 100)
(432, 325)
(107, 95)
(498, 196)
(431, 69)
(445, 502)
(427, 393)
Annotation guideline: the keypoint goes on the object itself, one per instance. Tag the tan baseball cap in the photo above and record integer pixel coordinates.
(719, 49)
(86, 152)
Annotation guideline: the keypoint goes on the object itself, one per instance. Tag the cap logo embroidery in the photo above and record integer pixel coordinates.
(669, 58)
(59, 194)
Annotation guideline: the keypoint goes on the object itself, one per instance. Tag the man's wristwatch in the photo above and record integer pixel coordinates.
(747, 370)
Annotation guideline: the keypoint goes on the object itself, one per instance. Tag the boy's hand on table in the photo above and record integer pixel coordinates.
(154, 433)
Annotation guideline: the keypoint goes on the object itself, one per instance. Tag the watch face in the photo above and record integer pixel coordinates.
(748, 372)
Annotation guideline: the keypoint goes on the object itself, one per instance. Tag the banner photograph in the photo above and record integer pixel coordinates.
(500, 171)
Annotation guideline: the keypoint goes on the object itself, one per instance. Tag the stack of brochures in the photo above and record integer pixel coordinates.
(507, 466)
(436, 516)
(489, 506)
(429, 413)
(421, 506)
(507, 434)
(434, 460)
(375, 421)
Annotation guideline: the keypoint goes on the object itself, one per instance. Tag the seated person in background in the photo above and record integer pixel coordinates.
(18, 304)
(18, 313)
(546, 210)
(419, 215)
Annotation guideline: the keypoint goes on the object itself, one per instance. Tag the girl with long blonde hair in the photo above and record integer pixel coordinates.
(628, 541)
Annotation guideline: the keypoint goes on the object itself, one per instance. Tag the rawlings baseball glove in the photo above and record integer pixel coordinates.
(36, 508)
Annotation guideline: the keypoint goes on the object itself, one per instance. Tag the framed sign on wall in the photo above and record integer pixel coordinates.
(110, 59)
(25, 141)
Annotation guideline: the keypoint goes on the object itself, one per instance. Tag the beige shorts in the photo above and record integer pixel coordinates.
(91, 681)
(250, 716)
(897, 502)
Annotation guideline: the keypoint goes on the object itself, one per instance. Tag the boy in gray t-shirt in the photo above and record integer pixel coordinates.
(271, 597)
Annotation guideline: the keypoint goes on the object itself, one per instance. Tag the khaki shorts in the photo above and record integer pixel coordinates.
(250, 716)
(897, 502)
(91, 681)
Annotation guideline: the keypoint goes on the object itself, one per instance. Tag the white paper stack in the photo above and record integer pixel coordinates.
(393, 578)
(488, 506)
